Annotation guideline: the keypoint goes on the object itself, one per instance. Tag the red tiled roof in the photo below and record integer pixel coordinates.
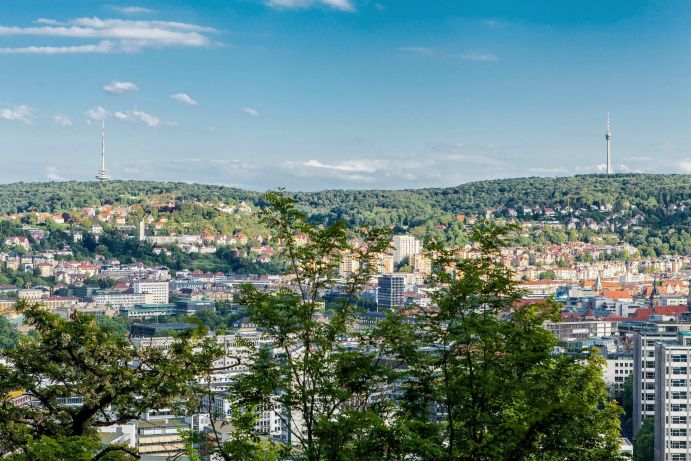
(645, 312)
(617, 294)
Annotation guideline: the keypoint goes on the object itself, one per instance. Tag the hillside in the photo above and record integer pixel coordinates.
(642, 190)
(650, 211)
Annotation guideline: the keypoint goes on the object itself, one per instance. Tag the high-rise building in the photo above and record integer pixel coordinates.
(673, 400)
(391, 291)
(644, 374)
(405, 246)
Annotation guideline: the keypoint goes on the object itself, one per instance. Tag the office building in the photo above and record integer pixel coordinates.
(391, 291)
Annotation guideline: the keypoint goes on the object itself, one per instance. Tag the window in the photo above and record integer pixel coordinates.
(678, 456)
(678, 444)
(678, 419)
(680, 358)
(679, 395)
(678, 433)
(678, 407)
(679, 370)
(678, 383)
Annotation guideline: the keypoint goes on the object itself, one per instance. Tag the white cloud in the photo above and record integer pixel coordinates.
(341, 5)
(138, 116)
(132, 9)
(148, 119)
(53, 174)
(122, 116)
(182, 97)
(251, 112)
(684, 165)
(475, 56)
(111, 35)
(360, 166)
(440, 54)
(17, 114)
(101, 47)
(96, 113)
(116, 87)
(62, 120)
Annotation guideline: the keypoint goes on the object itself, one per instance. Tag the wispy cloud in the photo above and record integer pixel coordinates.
(147, 119)
(62, 120)
(112, 35)
(21, 114)
(359, 166)
(131, 9)
(250, 112)
(341, 5)
(102, 47)
(441, 54)
(53, 174)
(97, 113)
(183, 97)
(139, 116)
(116, 87)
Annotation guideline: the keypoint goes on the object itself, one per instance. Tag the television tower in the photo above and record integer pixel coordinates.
(608, 137)
(103, 173)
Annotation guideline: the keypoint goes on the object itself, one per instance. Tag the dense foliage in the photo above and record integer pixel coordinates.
(662, 227)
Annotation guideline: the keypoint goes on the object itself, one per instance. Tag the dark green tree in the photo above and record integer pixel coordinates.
(480, 379)
(9, 336)
(115, 380)
(644, 446)
(314, 381)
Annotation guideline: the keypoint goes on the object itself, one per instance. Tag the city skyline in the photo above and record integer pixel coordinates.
(342, 93)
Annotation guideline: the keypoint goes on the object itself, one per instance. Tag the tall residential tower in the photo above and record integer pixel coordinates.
(608, 137)
(103, 173)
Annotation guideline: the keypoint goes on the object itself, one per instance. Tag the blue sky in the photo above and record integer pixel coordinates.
(320, 94)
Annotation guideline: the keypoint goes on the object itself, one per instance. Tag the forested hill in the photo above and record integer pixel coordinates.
(649, 194)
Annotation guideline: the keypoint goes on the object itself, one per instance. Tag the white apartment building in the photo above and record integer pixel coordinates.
(405, 246)
(673, 400)
(619, 366)
(644, 374)
(159, 290)
(119, 299)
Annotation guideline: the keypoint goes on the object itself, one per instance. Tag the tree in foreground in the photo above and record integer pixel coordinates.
(317, 383)
(85, 377)
(481, 380)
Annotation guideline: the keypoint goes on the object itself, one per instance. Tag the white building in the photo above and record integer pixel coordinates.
(158, 289)
(119, 299)
(673, 400)
(644, 375)
(619, 366)
(405, 246)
